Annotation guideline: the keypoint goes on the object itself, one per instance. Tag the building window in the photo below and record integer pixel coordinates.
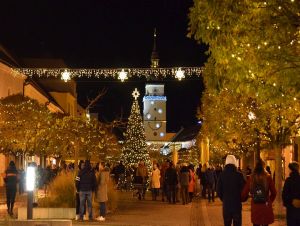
(160, 111)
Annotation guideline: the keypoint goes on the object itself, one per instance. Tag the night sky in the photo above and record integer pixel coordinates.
(109, 33)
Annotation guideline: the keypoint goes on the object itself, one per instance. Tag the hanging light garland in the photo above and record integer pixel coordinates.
(122, 74)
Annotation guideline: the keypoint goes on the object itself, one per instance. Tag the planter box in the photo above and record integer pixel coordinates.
(47, 213)
(40, 223)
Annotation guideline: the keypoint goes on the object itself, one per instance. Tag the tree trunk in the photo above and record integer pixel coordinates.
(76, 156)
(278, 180)
(257, 151)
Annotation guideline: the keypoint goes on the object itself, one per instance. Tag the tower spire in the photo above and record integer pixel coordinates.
(154, 55)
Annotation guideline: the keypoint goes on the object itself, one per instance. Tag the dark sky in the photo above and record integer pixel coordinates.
(109, 33)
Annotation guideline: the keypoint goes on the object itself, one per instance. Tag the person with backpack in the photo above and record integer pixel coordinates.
(229, 188)
(262, 190)
(291, 195)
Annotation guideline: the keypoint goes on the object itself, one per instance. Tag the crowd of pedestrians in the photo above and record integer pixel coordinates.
(175, 184)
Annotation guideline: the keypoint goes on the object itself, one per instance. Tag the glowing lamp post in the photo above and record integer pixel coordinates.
(30, 186)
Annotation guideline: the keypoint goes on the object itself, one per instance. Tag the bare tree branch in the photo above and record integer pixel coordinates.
(92, 102)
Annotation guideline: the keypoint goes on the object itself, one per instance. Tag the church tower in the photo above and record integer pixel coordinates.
(154, 55)
(155, 104)
(155, 112)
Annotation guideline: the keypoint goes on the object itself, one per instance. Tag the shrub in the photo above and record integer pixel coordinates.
(61, 192)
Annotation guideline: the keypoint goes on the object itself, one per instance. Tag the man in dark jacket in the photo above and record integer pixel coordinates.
(11, 179)
(211, 178)
(171, 182)
(229, 189)
(291, 196)
(85, 185)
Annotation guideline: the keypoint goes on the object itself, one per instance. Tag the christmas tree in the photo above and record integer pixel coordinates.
(135, 147)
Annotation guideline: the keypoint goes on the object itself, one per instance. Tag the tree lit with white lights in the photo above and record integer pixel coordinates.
(135, 146)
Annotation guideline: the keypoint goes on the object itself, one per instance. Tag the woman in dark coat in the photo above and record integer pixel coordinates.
(11, 180)
(262, 212)
(291, 196)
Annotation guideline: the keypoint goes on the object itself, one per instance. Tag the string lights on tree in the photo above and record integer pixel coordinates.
(135, 146)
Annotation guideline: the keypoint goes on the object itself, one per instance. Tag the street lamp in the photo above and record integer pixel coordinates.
(30, 186)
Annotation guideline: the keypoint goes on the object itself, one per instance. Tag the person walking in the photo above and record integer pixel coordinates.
(203, 180)
(229, 188)
(11, 180)
(77, 198)
(163, 185)
(191, 182)
(155, 181)
(171, 182)
(184, 175)
(142, 173)
(85, 185)
(291, 195)
(211, 179)
(101, 197)
(263, 193)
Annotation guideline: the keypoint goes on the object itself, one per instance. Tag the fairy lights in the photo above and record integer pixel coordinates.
(117, 73)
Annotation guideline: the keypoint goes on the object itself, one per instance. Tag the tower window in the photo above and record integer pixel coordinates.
(161, 134)
(152, 102)
(160, 111)
(148, 116)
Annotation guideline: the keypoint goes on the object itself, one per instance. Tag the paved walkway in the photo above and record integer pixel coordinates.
(132, 212)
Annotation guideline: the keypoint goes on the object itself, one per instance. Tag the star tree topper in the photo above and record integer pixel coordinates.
(135, 93)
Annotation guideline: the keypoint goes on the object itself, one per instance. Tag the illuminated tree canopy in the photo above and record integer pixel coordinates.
(28, 127)
(254, 65)
(253, 68)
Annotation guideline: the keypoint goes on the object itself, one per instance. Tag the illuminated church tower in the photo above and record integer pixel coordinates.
(155, 112)
(155, 104)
